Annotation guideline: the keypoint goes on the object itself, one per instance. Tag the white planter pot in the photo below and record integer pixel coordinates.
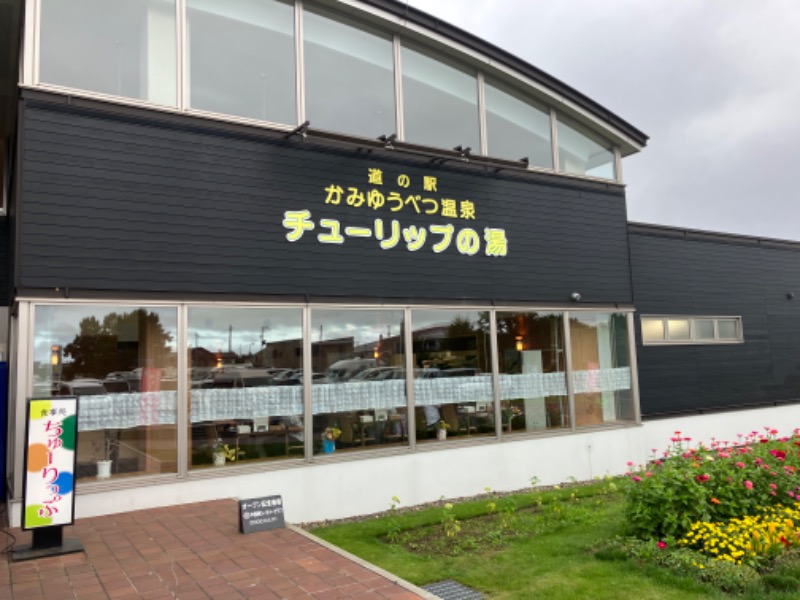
(441, 434)
(104, 469)
(219, 459)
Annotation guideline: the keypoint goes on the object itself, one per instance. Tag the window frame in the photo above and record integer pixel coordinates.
(693, 339)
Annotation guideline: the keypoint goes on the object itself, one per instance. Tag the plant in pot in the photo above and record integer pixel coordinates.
(329, 437)
(441, 429)
(222, 453)
(104, 452)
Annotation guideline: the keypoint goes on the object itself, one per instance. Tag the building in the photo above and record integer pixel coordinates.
(258, 222)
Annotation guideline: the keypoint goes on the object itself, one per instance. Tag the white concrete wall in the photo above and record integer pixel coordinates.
(351, 485)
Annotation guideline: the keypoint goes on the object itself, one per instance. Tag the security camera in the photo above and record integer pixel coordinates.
(576, 297)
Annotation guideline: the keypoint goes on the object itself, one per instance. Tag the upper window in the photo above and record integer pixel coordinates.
(349, 76)
(440, 102)
(517, 128)
(119, 48)
(241, 58)
(691, 330)
(582, 152)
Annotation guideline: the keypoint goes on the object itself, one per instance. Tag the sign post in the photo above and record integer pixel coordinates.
(48, 495)
(261, 514)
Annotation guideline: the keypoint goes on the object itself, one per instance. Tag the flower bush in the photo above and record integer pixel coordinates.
(750, 540)
(712, 484)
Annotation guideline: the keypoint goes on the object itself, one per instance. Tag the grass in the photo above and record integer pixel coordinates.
(547, 554)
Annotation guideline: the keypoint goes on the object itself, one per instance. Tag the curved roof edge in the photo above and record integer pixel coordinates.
(427, 21)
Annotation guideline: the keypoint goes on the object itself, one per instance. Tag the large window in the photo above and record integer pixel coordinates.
(349, 76)
(246, 394)
(244, 381)
(241, 58)
(691, 330)
(533, 385)
(517, 128)
(121, 362)
(601, 374)
(582, 152)
(452, 374)
(124, 49)
(358, 380)
(440, 102)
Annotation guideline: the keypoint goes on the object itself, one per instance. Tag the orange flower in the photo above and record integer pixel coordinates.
(714, 501)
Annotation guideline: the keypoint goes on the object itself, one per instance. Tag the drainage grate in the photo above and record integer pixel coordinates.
(452, 590)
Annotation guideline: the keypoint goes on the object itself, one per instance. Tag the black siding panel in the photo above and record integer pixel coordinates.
(709, 275)
(129, 205)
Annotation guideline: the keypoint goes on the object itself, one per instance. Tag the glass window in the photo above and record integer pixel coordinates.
(349, 75)
(728, 329)
(359, 379)
(582, 152)
(678, 329)
(440, 102)
(703, 329)
(517, 127)
(246, 393)
(691, 330)
(601, 368)
(119, 48)
(653, 330)
(452, 374)
(121, 362)
(241, 58)
(533, 386)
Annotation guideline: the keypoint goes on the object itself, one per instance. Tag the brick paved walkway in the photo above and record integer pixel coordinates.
(190, 552)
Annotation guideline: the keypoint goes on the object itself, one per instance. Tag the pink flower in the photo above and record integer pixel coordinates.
(662, 544)
(740, 464)
(773, 486)
(629, 463)
(748, 484)
(648, 474)
(636, 478)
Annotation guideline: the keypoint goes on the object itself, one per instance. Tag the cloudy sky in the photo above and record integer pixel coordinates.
(714, 83)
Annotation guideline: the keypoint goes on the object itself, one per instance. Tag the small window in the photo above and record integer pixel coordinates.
(691, 330)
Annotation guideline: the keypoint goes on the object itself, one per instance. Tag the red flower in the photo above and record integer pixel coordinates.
(662, 544)
(703, 478)
(779, 454)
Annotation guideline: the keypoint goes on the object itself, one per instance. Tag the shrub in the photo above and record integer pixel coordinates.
(714, 483)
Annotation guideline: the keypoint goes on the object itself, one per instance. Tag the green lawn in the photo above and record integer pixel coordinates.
(550, 555)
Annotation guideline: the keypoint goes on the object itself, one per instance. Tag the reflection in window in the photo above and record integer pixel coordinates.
(246, 400)
(241, 58)
(517, 128)
(601, 374)
(122, 364)
(440, 102)
(582, 152)
(359, 389)
(120, 48)
(452, 373)
(349, 76)
(533, 386)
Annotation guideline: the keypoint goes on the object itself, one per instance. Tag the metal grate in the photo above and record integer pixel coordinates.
(452, 590)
